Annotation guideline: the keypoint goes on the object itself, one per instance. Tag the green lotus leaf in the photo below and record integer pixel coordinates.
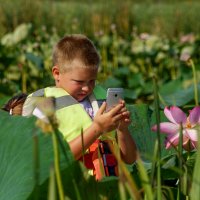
(19, 139)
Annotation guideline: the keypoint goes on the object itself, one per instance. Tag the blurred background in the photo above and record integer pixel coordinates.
(149, 47)
(136, 40)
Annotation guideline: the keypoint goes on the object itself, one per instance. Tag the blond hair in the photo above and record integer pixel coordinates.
(74, 47)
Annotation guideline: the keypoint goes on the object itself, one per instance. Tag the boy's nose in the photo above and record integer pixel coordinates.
(86, 88)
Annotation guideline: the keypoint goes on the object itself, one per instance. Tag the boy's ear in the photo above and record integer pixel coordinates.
(56, 73)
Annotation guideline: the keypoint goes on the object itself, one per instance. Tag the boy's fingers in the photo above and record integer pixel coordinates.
(102, 108)
(116, 109)
(123, 109)
(126, 113)
(117, 117)
(122, 102)
(127, 120)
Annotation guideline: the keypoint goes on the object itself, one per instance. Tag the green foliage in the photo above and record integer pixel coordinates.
(27, 160)
(19, 139)
(179, 97)
(134, 50)
(25, 64)
(27, 157)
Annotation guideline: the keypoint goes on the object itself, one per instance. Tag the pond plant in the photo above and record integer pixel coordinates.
(36, 165)
(52, 173)
(180, 122)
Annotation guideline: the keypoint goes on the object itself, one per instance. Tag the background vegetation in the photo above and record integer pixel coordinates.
(150, 48)
(165, 17)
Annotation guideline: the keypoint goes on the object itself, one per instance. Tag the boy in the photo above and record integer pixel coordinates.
(75, 68)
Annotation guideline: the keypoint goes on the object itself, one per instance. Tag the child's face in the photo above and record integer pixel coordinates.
(79, 82)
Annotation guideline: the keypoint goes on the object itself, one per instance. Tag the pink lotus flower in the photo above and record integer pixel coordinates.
(190, 127)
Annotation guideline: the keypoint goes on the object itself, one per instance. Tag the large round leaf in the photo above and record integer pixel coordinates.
(142, 120)
(16, 156)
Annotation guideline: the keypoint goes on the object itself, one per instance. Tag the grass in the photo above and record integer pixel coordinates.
(164, 18)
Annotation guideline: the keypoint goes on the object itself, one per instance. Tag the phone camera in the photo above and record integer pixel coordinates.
(115, 95)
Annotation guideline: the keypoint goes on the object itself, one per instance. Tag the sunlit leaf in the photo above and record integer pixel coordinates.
(21, 32)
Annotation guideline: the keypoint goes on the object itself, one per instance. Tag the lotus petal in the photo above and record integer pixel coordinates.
(194, 116)
(172, 141)
(178, 115)
(168, 114)
(167, 127)
(192, 134)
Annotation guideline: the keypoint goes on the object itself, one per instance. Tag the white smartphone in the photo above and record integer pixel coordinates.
(113, 97)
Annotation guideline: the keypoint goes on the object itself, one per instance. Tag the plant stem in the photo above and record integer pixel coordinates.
(115, 50)
(36, 163)
(153, 168)
(59, 139)
(104, 60)
(52, 185)
(24, 79)
(159, 193)
(180, 153)
(157, 114)
(83, 148)
(195, 82)
(57, 168)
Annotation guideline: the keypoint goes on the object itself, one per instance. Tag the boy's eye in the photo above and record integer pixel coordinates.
(84, 82)
(92, 81)
(79, 81)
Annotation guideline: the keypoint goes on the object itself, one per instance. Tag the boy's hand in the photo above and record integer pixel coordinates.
(124, 123)
(108, 121)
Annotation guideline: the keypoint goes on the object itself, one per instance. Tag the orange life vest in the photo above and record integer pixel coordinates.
(100, 160)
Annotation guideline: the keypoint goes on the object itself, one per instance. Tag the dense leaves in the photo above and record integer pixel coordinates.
(25, 64)
(128, 62)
